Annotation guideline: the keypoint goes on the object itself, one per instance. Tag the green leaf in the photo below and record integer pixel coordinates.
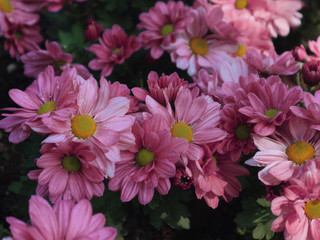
(259, 232)
(263, 202)
(184, 223)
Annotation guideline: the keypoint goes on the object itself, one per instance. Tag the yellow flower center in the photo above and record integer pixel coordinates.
(241, 50)
(312, 209)
(241, 4)
(199, 46)
(271, 113)
(167, 29)
(243, 132)
(71, 163)
(182, 130)
(6, 6)
(144, 157)
(83, 126)
(299, 152)
(46, 107)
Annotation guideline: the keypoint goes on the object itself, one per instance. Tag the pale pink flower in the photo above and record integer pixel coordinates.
(314, 46)
(215, 177)
(269, 105)
(297, 211)
(272, 63)
(21, 38)
(159, 87)
(239, 132)
(162, 23)
(68, 171)
(115, 46)
(196, 47)
(312, 110)
(195, 119)
(278, 15)
(65, 220)
(100, 120)
(49, 98)
(285, 155)
(149, 164)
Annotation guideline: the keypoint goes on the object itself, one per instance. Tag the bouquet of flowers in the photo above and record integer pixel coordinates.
(160, 120)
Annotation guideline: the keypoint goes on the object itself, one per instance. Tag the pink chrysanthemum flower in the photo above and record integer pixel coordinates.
(115, 46)
(36, 61)
(298, 211)
(195, 119)
(239, 139)
(65, 220)
(273, 63)
(269, 105)
(160, 86)
(99, 119)
(312, 110)
(21, 38)
(215, 176)
(284, 156)
(68, 171)
(162, 23)
(149, 164)
(49, 98)
(195, 47)
(17, 12)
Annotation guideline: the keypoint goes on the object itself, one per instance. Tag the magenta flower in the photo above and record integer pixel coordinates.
(285, 155)
(182, 179)
(36, 61)
(273, 63)
(215, 177)
(298, 211)
(56, 5)
(268, 106)
(113, 49)
(68, 171)
(149, 164)
(311, 72)
(49, 98)
(159, 87)
(65, 220)
(100, 120)
(195, 119)
(162, 23)
(93, 30)
(21, 38)
(239, 133)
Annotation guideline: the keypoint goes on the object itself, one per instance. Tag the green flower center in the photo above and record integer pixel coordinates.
(144, 157)
(71, 163)
(312, 209)
(46, 107)
(243, 132)
(83, 126)
(182, 130)
(271, 113)
(167, 29)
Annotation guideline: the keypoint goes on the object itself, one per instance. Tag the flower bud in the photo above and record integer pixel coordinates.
(182, 180)
(300, 53)
(311, 72)
(93, 30)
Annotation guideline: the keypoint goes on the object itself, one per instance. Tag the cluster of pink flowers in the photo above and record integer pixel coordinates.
(175, 132)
